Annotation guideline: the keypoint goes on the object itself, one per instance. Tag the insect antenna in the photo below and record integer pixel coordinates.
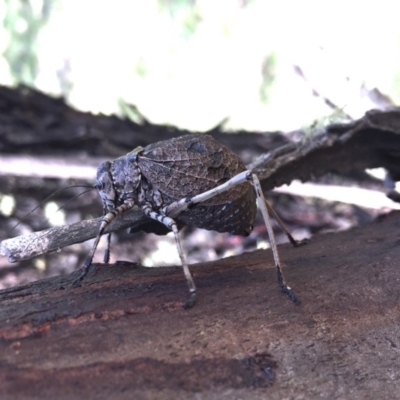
(49, 197)
(89, 188)
(75, 197)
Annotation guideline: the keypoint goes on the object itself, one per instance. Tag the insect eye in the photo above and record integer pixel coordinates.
(99, 185)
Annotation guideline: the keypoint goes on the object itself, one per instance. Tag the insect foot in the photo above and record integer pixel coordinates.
(189, 180)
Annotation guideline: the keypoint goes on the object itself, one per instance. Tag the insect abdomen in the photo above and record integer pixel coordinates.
(235, 217)
(193, 164)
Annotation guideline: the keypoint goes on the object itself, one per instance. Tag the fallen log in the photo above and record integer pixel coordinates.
(367, 143)
(124, 334)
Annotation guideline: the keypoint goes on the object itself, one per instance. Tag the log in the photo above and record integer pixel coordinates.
(367, 143)
(124, 334)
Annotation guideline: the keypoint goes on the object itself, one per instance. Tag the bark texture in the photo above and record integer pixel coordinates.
(124, 334)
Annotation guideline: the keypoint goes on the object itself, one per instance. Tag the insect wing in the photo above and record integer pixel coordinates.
(191, 164)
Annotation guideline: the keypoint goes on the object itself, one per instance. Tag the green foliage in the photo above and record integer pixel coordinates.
(22, 23)
(185, 13)
(268, 76)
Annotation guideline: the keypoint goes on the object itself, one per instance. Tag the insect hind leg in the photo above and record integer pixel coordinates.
(171, 224)
(182, 205)
(262, 204)
(292, 240)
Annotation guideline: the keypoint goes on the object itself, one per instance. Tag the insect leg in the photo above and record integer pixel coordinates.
(183, 204)
(262, 205)
(292, 240)
(106, 258)
(171, 224)
(104, 222)
(179, 206)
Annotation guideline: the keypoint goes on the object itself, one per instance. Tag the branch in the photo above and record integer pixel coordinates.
(366, 143)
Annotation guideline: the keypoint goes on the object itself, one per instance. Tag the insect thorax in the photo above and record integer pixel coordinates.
(118, 181)
(121, 179)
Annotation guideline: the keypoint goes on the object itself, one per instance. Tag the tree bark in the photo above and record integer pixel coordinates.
(124, 334)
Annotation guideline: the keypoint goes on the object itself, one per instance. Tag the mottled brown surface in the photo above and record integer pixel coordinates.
(189, 165)
(124, 334)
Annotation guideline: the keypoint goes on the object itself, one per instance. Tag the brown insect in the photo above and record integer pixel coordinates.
(190, 180)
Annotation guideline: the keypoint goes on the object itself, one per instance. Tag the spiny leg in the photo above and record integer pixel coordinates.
(182, 205)
(177, 207)
(171, 224)
(262, 205)
(104, 222)
(292, 240)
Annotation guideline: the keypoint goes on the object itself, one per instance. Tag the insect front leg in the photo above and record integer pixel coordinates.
(106, 258)
(171, 224)
(129, 203)
(186, 203)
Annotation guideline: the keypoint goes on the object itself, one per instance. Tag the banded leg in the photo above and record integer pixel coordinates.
(171, 224)
(104, 222)
(182, 205)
